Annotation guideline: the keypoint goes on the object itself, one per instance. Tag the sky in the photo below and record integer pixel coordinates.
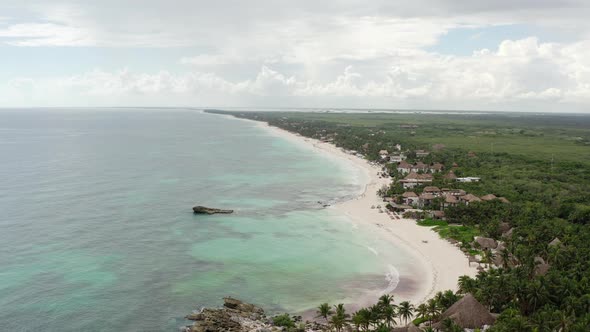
(517, 55)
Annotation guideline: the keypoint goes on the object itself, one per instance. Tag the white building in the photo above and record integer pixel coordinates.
(468, 179)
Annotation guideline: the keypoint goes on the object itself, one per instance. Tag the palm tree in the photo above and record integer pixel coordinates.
(405, 311)
(488, 257)
(383, 328)
(422, 311)
(563, 320)
(359, 320)
(433, 310)
(449, 326)
(341, 311)
(466, 284)
(340, 317)
(364, 317)
(535, 295)
(375, 314)
(385, 300)
(324, 310)
(389, 315)
(337, 322)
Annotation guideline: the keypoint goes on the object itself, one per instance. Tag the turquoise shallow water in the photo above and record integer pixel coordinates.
(97, 234)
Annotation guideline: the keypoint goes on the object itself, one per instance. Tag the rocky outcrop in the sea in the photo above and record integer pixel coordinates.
(235, 316)
(205, 210)
(238, 316)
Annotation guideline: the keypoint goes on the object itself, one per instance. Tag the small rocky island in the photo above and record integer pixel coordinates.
(205, 210)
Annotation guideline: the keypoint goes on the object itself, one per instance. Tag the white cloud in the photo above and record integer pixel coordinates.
(518, 71)
(276, 53)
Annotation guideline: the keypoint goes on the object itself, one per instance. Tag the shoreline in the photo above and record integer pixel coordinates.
(439, 262)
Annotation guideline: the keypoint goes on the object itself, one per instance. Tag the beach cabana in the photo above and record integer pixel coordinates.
(486, 242)
(468, 313)
(410, 197)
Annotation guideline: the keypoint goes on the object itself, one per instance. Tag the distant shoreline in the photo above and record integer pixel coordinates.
(440, 262)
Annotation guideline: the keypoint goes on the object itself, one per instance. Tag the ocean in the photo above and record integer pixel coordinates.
(97, 231)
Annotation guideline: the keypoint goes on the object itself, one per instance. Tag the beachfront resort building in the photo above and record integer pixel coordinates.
(397, 157)
(450, 200)
(404, 167)
(383, 154)
(410, 198)
(414, 179)
(432, 190)
(420, 167)
(426, 200)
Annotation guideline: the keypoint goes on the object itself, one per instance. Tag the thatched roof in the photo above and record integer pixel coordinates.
(409, 328)
(504, 227)
(450, 176)
(541, 267)
(470, 198)
(408, 194)
(450, 199)
(427, 196)
(555, 243)
(488, 197)
(486, 242)
(437, 166)
(431, 189)
(438, 214)
(468, 313)
(504, 200)
(404, 164)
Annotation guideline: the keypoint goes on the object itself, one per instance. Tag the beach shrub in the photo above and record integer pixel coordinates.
(283, 320)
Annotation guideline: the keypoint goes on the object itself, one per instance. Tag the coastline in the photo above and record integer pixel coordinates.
(440, 263)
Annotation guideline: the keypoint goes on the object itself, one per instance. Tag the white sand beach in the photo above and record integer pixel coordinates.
(441, 262)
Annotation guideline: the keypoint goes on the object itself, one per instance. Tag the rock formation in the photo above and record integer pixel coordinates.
(238, 316)
(206, 210)
(235, 316)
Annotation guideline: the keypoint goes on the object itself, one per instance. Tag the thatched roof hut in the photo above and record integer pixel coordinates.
(409, 328)
(450, 176)
(450, 199)
(488, 197)
(486, 242)
(468, 313)
(470, 198)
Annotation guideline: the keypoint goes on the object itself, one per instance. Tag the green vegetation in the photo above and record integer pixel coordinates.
(283, 320)
(540, 163)
(460, 233)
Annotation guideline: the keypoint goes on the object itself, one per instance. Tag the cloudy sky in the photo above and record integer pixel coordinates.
(529, 55)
